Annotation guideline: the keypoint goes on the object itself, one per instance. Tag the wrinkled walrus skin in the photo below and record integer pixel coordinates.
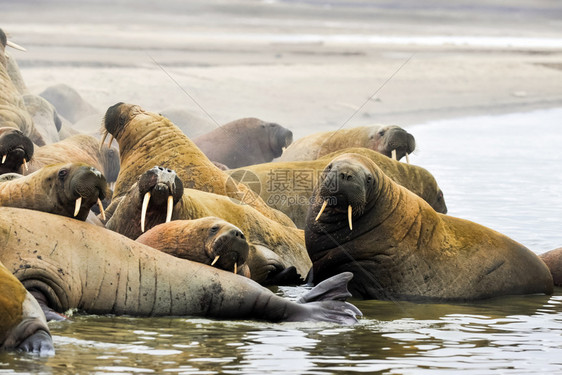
(56, 189)
(67, 263)
(262, 233)
(22, 324)
(400, 248)
(380, 138)
(147, 139)
(288, 186)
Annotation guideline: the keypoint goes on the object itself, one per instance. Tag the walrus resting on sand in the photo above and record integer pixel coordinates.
(159, 196)
(398, 247)
(15, 150)
(287, 186)
(208, 240)
(23, 325)
(389, 140)
(64, 189)
(147, 139)
(244, 142)
(64, 263)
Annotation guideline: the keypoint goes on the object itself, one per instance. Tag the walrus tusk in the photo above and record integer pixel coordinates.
(349, 213)
(77, 206)
(4, 158)
(110, 141)
(145, 201)
(235, 268)
(393, 153)
(407, 158)
(170, 208)
(102, 143)
(321, 210)
(25, 165)
(102, 212)
(215, 260)
(15, 46)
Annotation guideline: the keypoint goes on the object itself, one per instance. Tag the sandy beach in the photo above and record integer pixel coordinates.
(307, 65)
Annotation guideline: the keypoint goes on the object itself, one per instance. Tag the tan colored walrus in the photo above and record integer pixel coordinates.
(208, 240)
(23, 325)
(288, 186)
(79, 148)
(147, 139)
(70, 264)
(390, 140)
(553, 260)
(13, 112)
(64, 189)
(159, 196)
(399, 248)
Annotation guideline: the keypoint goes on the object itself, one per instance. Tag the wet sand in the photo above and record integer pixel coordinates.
(307, 65)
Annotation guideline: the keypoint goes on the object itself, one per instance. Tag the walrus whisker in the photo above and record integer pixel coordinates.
(393, 153)
(215, 260)
(349, 214)
(102, 143)
(15, 46)
(102, 212)
(145, 201)
(4, 158)
(77, 206)
(25, 165)
(407, 158)
(169, 208)
(322, 209)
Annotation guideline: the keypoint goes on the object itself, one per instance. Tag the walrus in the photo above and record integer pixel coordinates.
(246, 141)
(23, 326)
(65, 189)
(45, 117)
(68, 264)
(80, 148)
(159, 196)
(147, 139)
(553, 260)
(16, 150)
(398, 247)
(68, 102)
(390, 140)
(207, 240)
(288, 186)
(14, 73)
(13, 112)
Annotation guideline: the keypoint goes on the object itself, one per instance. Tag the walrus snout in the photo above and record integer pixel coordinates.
(88, 187)
(394, 142)
(230, 249)
(15, 149)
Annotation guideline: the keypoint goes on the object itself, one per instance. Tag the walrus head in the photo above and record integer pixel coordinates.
(279, 138)
(392, 141)
(225, 245)
(15, 150)
(116, 119)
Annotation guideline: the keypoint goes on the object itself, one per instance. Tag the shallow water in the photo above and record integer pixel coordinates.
(503, 172)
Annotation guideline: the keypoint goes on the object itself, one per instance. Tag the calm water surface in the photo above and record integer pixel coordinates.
(503, 172)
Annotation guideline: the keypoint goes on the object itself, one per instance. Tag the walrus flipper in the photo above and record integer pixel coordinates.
(39, 343)
(327, 303)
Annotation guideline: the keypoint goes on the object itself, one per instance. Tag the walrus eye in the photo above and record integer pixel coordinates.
(63, 173)
(381, 133)
(329, 167)
(214, 229)
(369, 179)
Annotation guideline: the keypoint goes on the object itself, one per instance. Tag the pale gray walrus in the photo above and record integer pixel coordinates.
(398, 247)
(69, 264)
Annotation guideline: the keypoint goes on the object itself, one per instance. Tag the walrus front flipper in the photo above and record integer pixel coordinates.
(326, 301)
(38, 343)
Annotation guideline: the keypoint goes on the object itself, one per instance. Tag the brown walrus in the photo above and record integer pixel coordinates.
(147, 139)
(65, 189)
(79, 148)
(68, 264)
(288, 186)
(553, 260)
(207, 240)
(23, 325)
(246, 141)
(159, 196)
(13, 112)
(399, 248)
(16, 150)
(390, 140)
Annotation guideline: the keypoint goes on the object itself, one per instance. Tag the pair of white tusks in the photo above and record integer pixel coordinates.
(349, 214)
(15, 46)
(393, 153)
(103, 140)
(24, 162)
(217, 258)
(79, 203)
(145, 201)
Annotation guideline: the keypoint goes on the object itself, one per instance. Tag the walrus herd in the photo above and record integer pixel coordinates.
(153, 227)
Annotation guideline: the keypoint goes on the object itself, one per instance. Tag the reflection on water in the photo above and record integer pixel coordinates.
(500, 171)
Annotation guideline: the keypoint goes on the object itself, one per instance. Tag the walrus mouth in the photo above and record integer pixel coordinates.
(20, 149)
(144, 208)
(78, 205)
(349, 214)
